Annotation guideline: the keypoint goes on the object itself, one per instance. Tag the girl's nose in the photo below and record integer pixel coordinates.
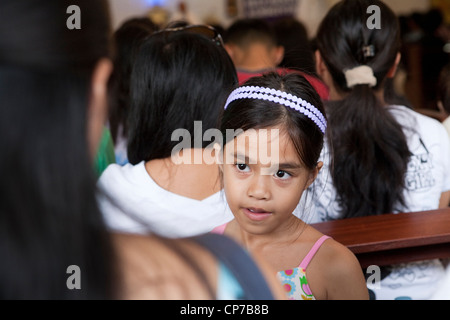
(259, 187)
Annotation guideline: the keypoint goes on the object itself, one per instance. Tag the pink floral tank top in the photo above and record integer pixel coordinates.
(294, 281)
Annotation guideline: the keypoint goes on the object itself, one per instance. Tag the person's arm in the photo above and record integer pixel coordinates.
(345, 278)
(445, 200)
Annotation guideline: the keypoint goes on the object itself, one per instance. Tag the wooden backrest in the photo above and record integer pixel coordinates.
(393, 238)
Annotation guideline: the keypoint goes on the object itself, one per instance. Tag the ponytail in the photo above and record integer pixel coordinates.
(370, 154)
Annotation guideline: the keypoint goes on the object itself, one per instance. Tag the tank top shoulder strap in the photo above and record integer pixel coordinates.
(304, 264)
(220, 229)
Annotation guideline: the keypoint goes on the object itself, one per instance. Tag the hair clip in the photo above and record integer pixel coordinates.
(369, 51)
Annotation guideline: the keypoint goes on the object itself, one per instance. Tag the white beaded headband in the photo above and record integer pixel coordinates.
(280, 97)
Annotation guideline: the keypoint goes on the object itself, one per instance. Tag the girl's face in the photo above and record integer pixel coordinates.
(262, 195)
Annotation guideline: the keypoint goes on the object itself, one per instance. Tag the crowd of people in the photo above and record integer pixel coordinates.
(179, 162)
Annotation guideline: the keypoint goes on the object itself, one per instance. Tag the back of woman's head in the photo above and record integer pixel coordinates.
(178, 78)
(262, 113)
(48, 214)
(370, 152)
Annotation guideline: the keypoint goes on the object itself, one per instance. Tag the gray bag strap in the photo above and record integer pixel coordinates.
(239, 262)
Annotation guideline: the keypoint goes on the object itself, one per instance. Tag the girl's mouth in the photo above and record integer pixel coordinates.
(256, 214)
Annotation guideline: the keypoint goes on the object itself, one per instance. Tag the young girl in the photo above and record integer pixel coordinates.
(282, 114)
(385, 157)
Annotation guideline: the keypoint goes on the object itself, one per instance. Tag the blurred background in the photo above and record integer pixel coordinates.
(425, 25)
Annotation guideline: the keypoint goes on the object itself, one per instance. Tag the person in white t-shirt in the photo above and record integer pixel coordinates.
(379, 158)
(179, 84)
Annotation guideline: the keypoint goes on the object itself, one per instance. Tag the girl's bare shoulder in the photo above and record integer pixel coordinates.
(340, 270)
(331, 255)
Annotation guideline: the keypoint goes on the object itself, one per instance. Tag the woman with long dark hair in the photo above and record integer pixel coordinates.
(384, 157)
(53, 241)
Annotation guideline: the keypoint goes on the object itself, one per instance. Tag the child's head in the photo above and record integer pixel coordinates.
(298, 53)
(280, 113)
(350, 37)
(246, 36)
(179, 77)
(443, 94)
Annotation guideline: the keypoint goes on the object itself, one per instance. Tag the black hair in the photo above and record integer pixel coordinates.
(247, 31)
(178, 78)
(49, 218)
(257, 114)
(370, 154)
(292, 35)
(127, 41)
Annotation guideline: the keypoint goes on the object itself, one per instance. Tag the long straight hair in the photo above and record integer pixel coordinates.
(127, 40)
(49, 220)
(178, 78)
(370, 154)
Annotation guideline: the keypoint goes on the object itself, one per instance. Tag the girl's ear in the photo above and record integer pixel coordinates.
(314, 174)
(393, 69)
(440, 106)
(230, 50)
(321, 68)
(278, 55)
(324, 74)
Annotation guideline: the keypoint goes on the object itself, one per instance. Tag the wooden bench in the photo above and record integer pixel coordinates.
(393, 238)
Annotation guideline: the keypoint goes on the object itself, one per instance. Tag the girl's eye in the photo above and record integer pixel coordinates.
(282, 175)
(242, 167)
